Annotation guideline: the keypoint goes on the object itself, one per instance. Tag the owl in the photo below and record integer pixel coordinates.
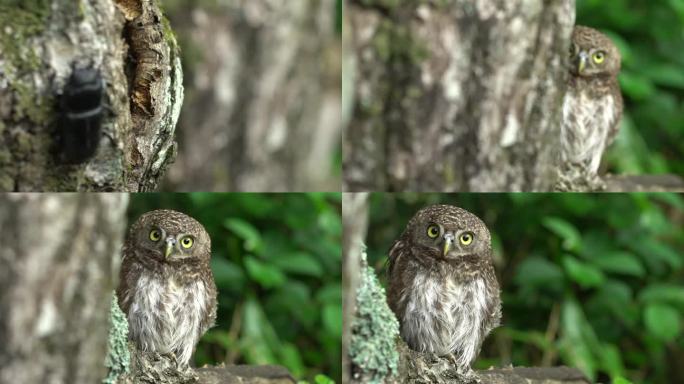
(592, 107)
(442, 286)
(166, 287)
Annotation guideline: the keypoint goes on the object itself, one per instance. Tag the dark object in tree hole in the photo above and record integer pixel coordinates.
(81, 107)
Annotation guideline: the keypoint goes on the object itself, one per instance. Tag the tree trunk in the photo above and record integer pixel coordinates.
(355, 225)
(42, 43)
(59, 257)
(262, 109)
(456, 95)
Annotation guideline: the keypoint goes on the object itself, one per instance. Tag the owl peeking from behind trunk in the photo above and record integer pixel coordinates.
(592, 107)
(166, 287)
(442, 286)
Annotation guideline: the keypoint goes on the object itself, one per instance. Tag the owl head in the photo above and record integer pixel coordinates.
(168, 236)
(446, 232)
(593, 54)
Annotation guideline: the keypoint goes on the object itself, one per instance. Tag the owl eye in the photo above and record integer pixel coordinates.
(433, 231)
(599, 57)
(466, 238)
(187, 242)
(155, 235)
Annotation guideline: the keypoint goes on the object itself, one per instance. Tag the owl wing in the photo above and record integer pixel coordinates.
(617, 116)
(209, 317)
(129, 274)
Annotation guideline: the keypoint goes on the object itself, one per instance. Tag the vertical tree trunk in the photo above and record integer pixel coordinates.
(262, 109)
(59, 257)
(42, 42)
(456, 95)
(355, 225)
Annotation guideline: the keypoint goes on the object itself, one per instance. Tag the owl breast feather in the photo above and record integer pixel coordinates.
(588, 121)
(165, 316)
(443, 316)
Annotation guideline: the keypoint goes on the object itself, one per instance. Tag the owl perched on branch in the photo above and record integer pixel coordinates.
(592, 107)
(166, 287)
(442, 285)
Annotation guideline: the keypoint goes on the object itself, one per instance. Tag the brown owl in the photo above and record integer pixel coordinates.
(166, 287)
(592, 107)
(442, 285)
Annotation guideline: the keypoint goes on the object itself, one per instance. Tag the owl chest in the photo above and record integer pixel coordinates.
(444, 316)
(587, 120)
(164, 315)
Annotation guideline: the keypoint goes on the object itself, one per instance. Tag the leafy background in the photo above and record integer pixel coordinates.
(650, 35)
(276, 259)
(594, 281)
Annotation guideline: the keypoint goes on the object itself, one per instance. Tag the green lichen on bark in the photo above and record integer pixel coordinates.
(21, 20)
(118, 357)
(374, 331)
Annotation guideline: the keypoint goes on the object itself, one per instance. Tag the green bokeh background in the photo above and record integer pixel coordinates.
(594, 281)
(276, 259)
(650, 35)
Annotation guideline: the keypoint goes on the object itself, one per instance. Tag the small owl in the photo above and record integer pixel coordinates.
(442, 285)
(592, 107)
(166, 287)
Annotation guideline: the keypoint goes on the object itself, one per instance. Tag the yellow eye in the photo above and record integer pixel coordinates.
(186, 242)
(599, 57)
(433, 231)
(466, 238)
(155, 235)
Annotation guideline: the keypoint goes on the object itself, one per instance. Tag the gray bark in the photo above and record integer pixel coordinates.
(262, 109)
(129, 42)
(415, 367)
(59, 257)
(456, 95)
(355, 225)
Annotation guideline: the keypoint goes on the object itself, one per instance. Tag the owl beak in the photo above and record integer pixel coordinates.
(448, 242)
(170, 245)
(582, 63)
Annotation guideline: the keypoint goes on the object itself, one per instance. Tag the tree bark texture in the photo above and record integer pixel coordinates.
(262, 109)
(60, 256)
(456, 95)
(355, 225)
(415, 367)
(42, 42)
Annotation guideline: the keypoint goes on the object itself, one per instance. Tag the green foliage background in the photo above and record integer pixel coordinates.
(650, 35)
(594, 281)
(276, 259)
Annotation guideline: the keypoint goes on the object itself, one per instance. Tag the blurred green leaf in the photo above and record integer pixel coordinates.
(322, 379)
(538, 271)
(299, 263)
(663, 293)
(245, 231)
(332, 319)
(582, 273)
(620, 263)
(662, 321)
(226, 273)
(566, 231)
(621, 380)
(267, 275)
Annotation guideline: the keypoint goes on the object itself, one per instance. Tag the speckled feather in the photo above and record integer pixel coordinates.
(593, 104)
(169, 303)
(444, 306)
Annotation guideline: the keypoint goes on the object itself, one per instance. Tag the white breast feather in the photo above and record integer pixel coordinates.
(457, 328)
(583, 139)
(175, 329)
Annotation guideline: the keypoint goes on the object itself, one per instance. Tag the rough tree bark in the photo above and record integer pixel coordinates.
(41, 42)
(262, 109)
(355, 224)
(59, 256)
(456, 95)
